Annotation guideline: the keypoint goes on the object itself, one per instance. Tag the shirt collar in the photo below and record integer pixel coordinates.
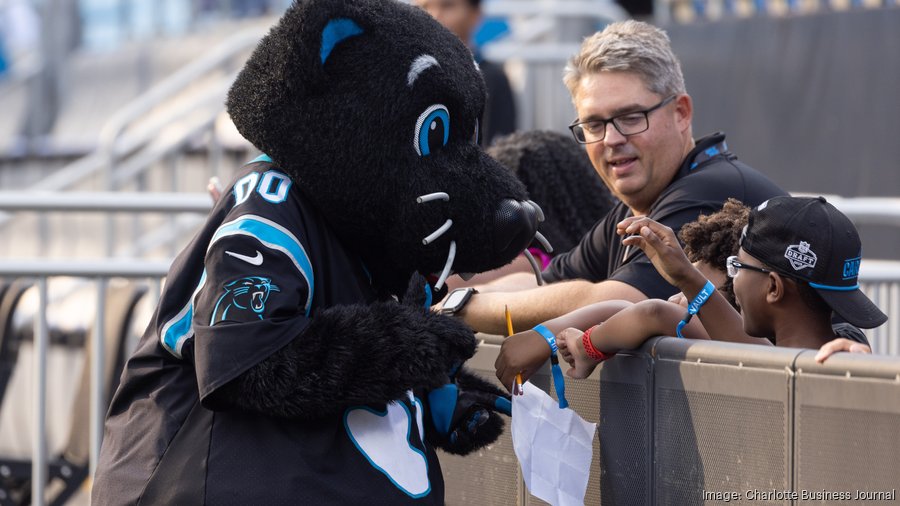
(705, 149)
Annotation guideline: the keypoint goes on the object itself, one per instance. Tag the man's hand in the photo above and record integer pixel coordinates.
(523, 353)
(661, 247)
(840, 344)
(571, 347)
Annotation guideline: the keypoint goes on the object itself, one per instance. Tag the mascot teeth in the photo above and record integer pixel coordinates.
(433, 196)
(535, 267)
(451, 256)
(437, 233)
(544, 242)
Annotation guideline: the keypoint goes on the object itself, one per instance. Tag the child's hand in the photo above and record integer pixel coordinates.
(564, 350)
(660, 245)
(840, 344)
(572, 350)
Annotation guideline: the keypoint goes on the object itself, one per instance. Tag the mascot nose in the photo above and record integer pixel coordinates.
(515, 224)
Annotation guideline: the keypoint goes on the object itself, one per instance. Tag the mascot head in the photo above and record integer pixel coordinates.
(373, 108)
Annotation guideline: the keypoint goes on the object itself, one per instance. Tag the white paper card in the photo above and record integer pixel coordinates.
(553, 446)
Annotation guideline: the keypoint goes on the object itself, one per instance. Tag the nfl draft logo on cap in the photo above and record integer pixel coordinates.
(800, 256)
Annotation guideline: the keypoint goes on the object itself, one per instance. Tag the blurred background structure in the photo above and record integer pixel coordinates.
(113, 123)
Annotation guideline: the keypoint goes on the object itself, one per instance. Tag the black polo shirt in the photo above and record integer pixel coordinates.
(709, 175)
(261, 268)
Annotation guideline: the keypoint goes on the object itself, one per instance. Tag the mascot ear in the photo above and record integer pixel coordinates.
(336, 31)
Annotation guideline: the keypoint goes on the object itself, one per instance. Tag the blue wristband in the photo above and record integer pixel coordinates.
(558, 381)
(695, 305)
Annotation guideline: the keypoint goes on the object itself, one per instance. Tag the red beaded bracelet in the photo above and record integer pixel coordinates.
(592, 352)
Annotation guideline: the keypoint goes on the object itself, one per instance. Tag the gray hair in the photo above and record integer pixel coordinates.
(628, 46)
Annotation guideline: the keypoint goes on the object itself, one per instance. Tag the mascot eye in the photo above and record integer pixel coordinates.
(432, 130)
(476, 138)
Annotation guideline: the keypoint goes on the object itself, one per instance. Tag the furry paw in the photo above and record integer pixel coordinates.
(421, 293)
(477, 429)
(455, 339)
(466, 418)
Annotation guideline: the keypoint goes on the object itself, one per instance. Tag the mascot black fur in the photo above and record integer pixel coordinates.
(293, 358)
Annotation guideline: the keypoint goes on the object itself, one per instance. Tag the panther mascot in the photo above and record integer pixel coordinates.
(292, 358)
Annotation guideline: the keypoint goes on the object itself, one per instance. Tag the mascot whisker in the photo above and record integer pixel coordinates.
(293, 358)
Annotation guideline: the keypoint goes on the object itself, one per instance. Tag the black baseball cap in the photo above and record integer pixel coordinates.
(810, 240)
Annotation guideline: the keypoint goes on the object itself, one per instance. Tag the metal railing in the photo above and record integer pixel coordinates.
(100, 271)
(130, 144)
(143, 145)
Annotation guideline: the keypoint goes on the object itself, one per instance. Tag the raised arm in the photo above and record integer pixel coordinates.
(720, 320)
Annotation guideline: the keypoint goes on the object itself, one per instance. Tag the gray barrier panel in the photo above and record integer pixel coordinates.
(625, 437)
(847, 429)
(617, 395)
(490, 476)
(722, 418)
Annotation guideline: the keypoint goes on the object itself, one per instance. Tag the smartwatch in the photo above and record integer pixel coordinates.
(457, 299)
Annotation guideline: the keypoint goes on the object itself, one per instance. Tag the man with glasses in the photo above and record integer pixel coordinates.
(634, 120)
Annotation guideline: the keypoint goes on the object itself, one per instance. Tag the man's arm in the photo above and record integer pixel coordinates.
(485, 311)
(511, 282)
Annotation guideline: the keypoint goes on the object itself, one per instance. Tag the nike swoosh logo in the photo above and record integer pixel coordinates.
(257, 260)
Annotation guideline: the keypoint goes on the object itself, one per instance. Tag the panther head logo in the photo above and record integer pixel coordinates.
(244, 299)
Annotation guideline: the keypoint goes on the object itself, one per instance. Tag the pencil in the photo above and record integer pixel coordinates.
(509, 332)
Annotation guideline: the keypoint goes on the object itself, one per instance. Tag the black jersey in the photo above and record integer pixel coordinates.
(708, 176)
(250, 282)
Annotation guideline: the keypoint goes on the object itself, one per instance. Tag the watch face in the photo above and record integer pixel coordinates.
(456, 299)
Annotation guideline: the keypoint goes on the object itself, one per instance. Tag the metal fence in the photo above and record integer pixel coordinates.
(699, 422)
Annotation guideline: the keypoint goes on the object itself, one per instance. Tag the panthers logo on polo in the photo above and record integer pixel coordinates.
(244, 300)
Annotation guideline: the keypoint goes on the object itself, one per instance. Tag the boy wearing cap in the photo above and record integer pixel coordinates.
(808, 254)
(799, 261)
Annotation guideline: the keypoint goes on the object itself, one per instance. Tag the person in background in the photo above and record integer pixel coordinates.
(462, 17)
(560, 178)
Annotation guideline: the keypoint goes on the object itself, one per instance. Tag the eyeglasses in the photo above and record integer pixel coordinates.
(630, 123)
(732, 264)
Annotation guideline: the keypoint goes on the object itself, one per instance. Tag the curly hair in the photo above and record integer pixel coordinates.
(715, 237)
(560, 178)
